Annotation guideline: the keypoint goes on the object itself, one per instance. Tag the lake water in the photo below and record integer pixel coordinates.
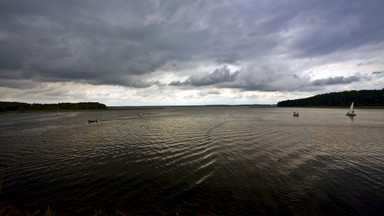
(199, 160)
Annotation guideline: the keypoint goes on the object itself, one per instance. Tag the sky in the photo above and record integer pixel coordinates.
(195, 52)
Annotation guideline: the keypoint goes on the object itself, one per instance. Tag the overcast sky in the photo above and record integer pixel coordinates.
(173, 52)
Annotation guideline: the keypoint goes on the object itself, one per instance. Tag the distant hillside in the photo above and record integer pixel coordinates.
(361, 98)
(22, 107)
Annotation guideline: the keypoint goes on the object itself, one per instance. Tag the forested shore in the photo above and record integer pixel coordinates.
(362, 98)
(26, 107)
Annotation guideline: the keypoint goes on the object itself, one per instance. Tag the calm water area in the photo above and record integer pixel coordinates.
(195, 160)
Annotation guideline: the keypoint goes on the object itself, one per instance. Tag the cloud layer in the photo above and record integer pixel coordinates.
(257, 46)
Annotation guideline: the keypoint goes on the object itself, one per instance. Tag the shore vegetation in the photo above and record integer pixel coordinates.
(362, 99)
(59, 107)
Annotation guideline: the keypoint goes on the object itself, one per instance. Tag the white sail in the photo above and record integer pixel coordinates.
(351, 111)
(351, 108)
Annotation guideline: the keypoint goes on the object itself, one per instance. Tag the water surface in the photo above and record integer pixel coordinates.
(213, 160)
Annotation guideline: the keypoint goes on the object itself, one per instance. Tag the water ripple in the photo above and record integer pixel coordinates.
(224, 161)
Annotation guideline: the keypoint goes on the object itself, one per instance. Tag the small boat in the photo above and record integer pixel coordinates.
(92, 121)
(351, 111)
(296, 114)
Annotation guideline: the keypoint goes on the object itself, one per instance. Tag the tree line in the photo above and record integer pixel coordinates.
(361, 98)
(23, 107)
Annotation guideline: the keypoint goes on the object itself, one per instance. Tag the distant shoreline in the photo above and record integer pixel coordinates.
(54, 111)
(59, 107)
(134, 108)
(362, 98)
(165, 107)
(336, 107)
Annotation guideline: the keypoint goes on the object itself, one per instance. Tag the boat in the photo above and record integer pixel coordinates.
(92, 121)
(296, 114)
(351, 111)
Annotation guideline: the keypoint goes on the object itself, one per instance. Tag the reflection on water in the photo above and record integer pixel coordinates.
(351, 118)
(218, 160)
(1, 176)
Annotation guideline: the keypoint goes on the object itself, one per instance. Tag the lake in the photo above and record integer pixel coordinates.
(195, 160)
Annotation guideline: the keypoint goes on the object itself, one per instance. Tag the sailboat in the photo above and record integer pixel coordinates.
(351, 111)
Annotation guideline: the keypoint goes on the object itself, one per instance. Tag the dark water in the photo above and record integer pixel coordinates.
(202, 160)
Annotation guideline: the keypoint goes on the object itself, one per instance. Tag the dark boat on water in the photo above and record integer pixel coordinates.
(92, 121)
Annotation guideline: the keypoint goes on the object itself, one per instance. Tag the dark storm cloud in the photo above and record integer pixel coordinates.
(378, 73)
(335, 80)
(71, 40)
(283, 81)
(124, 42)
(325, 27)
(220, 75)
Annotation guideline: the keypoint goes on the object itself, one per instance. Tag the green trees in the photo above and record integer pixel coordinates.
(13, 106)
(361, 98)
(21, 107)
